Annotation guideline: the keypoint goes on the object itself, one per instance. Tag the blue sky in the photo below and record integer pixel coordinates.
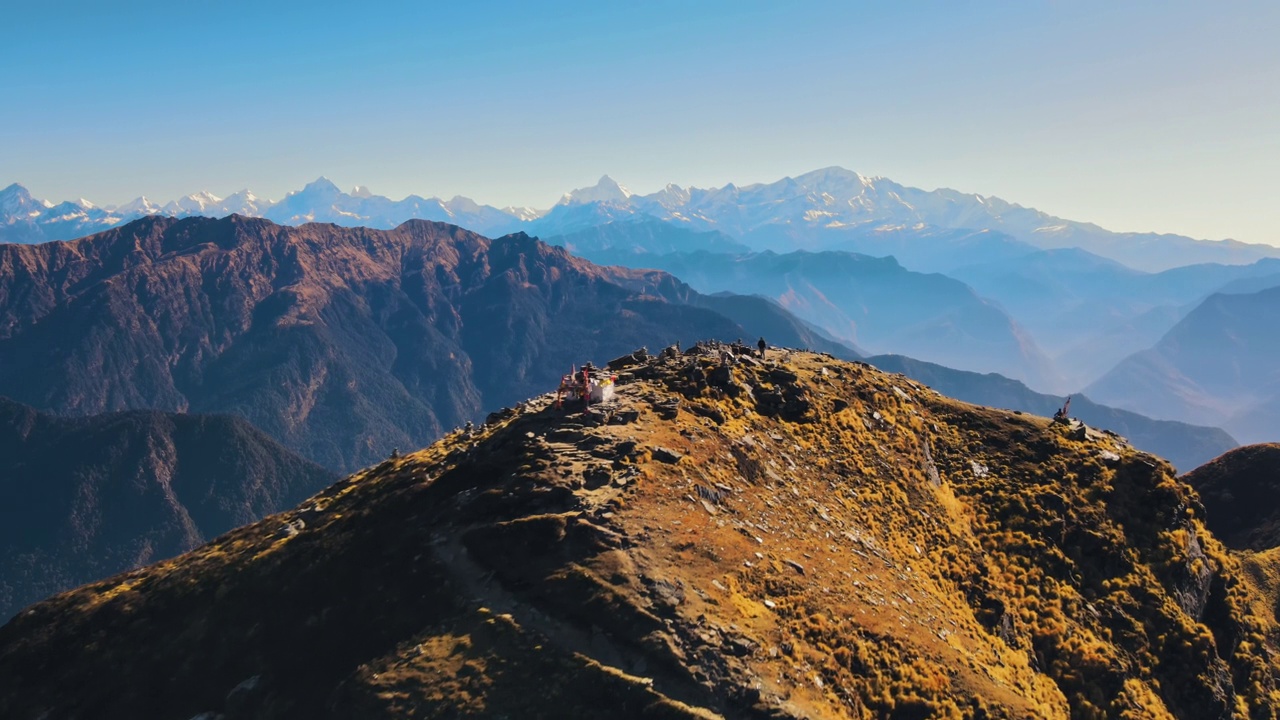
(1138, 115)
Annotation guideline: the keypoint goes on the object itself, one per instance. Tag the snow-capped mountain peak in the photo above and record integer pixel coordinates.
(322, 184)
(201, 203)
(524, 213)
(360, 191)
(139, 206)
(16, 203)
(607, 190)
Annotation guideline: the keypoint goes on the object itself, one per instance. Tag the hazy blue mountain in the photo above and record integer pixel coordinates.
(24, 219)
(1185, 445)
(1218, 365)
(873, 303)
(1088, 312)
(1244, 286)
(627, 242)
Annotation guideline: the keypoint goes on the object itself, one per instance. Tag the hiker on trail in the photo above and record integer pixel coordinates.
(763, 346)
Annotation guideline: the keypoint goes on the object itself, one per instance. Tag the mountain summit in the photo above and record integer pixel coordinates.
(605, 191)
(792, 537)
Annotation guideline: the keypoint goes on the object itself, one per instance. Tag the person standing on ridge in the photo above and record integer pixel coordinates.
(762, 345)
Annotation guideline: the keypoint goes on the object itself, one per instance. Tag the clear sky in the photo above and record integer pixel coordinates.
(1135, 115)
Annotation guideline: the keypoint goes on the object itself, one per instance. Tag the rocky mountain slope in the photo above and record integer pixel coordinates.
(84, 498)
(341, 343)
(1217, 365)
(795, 538)
(1186, 446)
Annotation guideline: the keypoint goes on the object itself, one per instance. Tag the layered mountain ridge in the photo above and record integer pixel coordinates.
(1217, 365)
(341, 343)
(786, 538)
(871, 302)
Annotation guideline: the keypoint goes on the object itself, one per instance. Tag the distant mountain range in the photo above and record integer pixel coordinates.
(873, 303)
(1088, 313)
(1218, 366)
(84, 498)
(826, 209)
(341, 343)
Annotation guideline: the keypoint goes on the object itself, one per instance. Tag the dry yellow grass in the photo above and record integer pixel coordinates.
(804, 538)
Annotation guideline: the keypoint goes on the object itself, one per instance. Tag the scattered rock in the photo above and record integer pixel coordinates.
(639, 357)
(596, 477)
(707, 411)
(623, 416)
(668, 410)
(783, 376)
(666, 455)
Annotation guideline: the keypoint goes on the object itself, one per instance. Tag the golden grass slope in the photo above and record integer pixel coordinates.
(796, 538)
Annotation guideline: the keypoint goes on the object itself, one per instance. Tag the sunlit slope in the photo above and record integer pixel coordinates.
(799, 538)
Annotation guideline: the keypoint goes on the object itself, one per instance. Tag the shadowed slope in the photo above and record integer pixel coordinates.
(1241, 494)
(84, 498)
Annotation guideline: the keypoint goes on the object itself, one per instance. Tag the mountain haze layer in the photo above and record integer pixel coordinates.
(1217, 365)
(1089, 313)
(872, 302)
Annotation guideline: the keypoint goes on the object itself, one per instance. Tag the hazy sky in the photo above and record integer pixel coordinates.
(1136, 115)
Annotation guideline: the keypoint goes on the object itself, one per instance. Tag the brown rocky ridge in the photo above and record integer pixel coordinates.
(341, 343)
(798, 537)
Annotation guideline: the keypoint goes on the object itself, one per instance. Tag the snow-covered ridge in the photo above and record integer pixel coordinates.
(815, 210)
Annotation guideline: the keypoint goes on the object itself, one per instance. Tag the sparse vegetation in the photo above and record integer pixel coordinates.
(895, 554)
